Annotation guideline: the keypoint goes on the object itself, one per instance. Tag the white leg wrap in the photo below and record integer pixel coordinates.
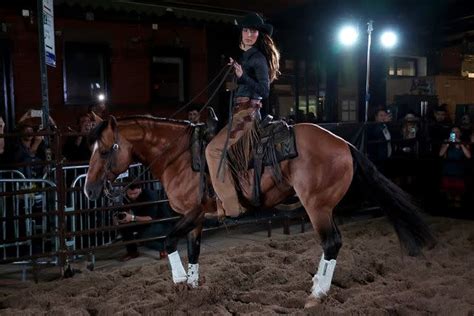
(177, 269)
(322, 279)
(193, 275)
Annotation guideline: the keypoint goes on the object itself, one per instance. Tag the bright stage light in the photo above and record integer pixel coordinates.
(101, 97)
(348, 35)
(388, 39)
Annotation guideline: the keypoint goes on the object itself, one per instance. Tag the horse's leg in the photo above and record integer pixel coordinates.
(331, 242)
(182, 227)
(194, 249)
(320, 179)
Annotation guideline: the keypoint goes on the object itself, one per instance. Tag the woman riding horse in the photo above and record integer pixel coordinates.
(320, 175)
(260, 64)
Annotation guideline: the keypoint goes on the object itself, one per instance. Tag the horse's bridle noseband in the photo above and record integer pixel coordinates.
(109, 191)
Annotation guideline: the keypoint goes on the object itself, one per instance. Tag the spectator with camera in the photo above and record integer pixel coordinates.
(408, 146)
(455, 155)
(140, 214)
(29, 149)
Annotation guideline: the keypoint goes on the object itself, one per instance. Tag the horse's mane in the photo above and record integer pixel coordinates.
(96, 132)
(155, 119)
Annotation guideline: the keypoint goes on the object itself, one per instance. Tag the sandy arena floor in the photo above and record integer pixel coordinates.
(273, 276)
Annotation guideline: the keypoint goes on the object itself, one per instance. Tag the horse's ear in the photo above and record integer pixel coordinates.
(97, 119)
(112, 122)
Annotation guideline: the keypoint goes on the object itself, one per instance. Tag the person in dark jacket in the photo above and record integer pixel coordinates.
(140, 214)
(258, 67)
(439, 128)
(379, 147)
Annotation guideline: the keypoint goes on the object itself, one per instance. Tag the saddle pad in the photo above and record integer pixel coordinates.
(276, 143)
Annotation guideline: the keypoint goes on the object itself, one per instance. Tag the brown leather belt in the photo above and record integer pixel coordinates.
(242, 103)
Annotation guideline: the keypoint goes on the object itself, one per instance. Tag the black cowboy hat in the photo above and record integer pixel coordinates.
(253, 20)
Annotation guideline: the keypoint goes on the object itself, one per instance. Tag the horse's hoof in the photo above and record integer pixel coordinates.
(194, 284)
(312, 301)
(180, 280)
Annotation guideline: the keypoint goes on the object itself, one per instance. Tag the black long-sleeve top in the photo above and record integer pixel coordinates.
(255, 81)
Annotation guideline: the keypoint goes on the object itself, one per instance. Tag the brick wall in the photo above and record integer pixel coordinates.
(130, 47)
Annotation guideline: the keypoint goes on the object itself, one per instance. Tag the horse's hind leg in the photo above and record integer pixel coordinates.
(331, 243)
(181, 228)
(319, 207)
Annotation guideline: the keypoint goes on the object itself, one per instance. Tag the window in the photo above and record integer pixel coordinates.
(85, 72)
(348, 111)
(311, 106)
(402, 67)
(467, 66)
(167, 77)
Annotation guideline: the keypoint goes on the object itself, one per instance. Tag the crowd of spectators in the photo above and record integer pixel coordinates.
(425, 155)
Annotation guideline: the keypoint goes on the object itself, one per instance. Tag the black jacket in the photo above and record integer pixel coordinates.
(255, 81)
(377, 148)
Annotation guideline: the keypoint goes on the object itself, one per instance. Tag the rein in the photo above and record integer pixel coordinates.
(230, 67)
(220, 173)
(111, 193)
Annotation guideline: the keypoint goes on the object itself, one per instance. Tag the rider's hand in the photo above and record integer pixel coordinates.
(237, 67)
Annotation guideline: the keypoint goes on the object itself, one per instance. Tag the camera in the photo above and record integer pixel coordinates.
(121, 215)
(452, 137)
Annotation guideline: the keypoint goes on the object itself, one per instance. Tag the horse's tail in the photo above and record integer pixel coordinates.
(399, 207)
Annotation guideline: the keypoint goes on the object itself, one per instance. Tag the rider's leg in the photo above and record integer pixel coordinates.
(222, 182)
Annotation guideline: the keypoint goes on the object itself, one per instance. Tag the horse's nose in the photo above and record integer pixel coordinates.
(89, 193)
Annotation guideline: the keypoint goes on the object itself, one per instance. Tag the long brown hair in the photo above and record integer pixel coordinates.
(268, 48)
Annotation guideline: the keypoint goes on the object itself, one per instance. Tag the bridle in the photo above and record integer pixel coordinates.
(110, 156)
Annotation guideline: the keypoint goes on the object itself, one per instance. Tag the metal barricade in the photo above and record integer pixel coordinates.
(28, 217)
(85, 218)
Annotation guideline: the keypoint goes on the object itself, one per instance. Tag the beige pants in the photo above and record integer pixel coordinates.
(222, 183)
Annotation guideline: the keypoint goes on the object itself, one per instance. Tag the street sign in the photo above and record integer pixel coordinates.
(48, 25)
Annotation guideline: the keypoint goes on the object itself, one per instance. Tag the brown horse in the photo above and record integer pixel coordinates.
(320, 176)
